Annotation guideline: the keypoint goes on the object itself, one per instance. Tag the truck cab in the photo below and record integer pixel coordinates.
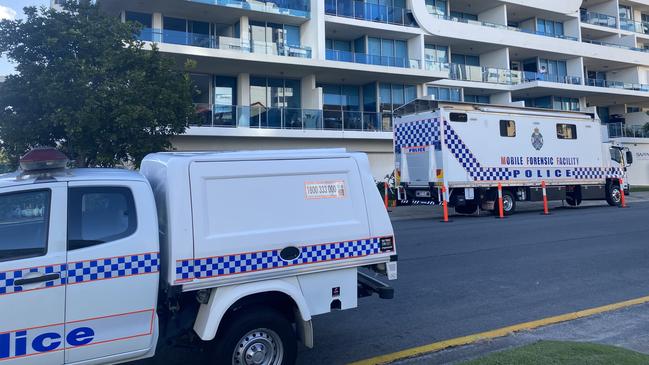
(79, 264)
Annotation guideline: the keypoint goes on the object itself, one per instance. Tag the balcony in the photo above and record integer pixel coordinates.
(365, 11)
(504, 27)
(618, 85)
(633, 26)
(619, 130)
(284, 7)
(225, 43)
(607, 44)
(495, 75)
(367, 59)
(602, 20)
(259, 117)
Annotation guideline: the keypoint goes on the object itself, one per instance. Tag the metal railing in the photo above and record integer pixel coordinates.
(603, 20)
(285, 7)
(634, 26)
(365, 11)
(608, 44)
(344, 56)
(617, 85)
(540, 76)
(617, 130)
(226, 43)
(234, 116)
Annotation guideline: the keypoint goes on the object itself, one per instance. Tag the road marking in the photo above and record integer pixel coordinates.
(500, 332)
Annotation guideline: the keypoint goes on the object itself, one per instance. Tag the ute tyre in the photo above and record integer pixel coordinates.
(614, 195)
(466, 209)
(509, 204)
(258, 335)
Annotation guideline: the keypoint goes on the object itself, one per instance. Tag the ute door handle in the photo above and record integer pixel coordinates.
(37, 279)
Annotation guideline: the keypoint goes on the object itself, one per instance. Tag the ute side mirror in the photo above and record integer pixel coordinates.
(629, 157)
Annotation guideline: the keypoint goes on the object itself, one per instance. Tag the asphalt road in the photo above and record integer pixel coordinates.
(479, 273)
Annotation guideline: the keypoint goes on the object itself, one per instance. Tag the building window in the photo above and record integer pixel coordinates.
(436, 54)
(549, 27)
(479, 99)
(436, 7)
(273, 102)
(342, 107)
(507, 128)
(464, 16)
(566, 131)
(444, 93)
(387, 52)
(145, 19)
(461, 59)
(633, 109)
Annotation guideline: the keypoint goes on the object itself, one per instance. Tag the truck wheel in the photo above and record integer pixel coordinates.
(468, 208)
(614, 195)
(509, 204)
(258, 336)
(572, 201)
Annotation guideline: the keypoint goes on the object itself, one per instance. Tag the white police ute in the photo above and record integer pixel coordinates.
(239, 250)
(469, 149)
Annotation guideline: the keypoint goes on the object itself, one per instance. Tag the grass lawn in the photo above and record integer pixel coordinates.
(560, 353)
(639, 188)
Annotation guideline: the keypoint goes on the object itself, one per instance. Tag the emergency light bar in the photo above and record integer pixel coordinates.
(43, 158)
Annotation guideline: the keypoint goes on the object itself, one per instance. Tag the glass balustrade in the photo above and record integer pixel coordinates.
(344, 56)
(366, 11)
(286, 7)
(603, 20)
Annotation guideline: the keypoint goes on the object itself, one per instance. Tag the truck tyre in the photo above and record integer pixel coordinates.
(572, 201)
(468, 208)
(613, 195)
(259, 336)
(509, 204)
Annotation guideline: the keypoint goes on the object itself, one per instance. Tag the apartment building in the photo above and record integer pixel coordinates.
(329, 73)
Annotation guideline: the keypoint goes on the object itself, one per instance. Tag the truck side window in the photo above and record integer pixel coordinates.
(24, 224)
(507, 128)
(616, 154)
(458, 117)
(99, 214)
(566, 131)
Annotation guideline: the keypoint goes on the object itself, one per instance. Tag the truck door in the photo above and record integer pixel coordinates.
(32, 268)
(112, 276)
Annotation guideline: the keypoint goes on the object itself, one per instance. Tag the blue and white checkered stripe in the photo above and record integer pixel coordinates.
(7, 278)
(265, 260)
(84, 271)
(469, 162)
(416, 134)
(596, 173)
(114, 267)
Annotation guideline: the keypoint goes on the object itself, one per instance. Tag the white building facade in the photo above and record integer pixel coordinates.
(329, 73)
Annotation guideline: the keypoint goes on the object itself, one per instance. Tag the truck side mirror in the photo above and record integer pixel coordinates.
(629, 157)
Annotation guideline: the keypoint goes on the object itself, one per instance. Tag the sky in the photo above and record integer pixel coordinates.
(13, 9)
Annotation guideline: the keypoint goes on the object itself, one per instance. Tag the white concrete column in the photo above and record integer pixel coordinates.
(312, 32)
(244, 29)
(416, 49)
(575, 67)
(498, 58)
(156, 21)
(503, 98)
(243, 99)
(572, 28)
(310, 94)
(497, 15)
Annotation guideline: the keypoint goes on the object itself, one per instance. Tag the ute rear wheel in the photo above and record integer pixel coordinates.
(614, 195)
(256, 336)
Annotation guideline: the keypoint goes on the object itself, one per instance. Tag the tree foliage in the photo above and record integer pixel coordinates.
(86, 85)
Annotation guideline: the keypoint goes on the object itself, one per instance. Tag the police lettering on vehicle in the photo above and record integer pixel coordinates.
(24, 343)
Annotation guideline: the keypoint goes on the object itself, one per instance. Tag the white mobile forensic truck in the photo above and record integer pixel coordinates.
(471, 148)
(237, 251)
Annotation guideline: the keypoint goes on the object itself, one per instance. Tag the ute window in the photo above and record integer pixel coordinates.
(566, 131)
(24, 224)
(98, 215)
(507, 128)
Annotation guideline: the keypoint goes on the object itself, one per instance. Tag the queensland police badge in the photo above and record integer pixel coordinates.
(537, 139)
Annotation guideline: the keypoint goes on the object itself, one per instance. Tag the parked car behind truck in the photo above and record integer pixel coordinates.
(469, 149)
(239, 249)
